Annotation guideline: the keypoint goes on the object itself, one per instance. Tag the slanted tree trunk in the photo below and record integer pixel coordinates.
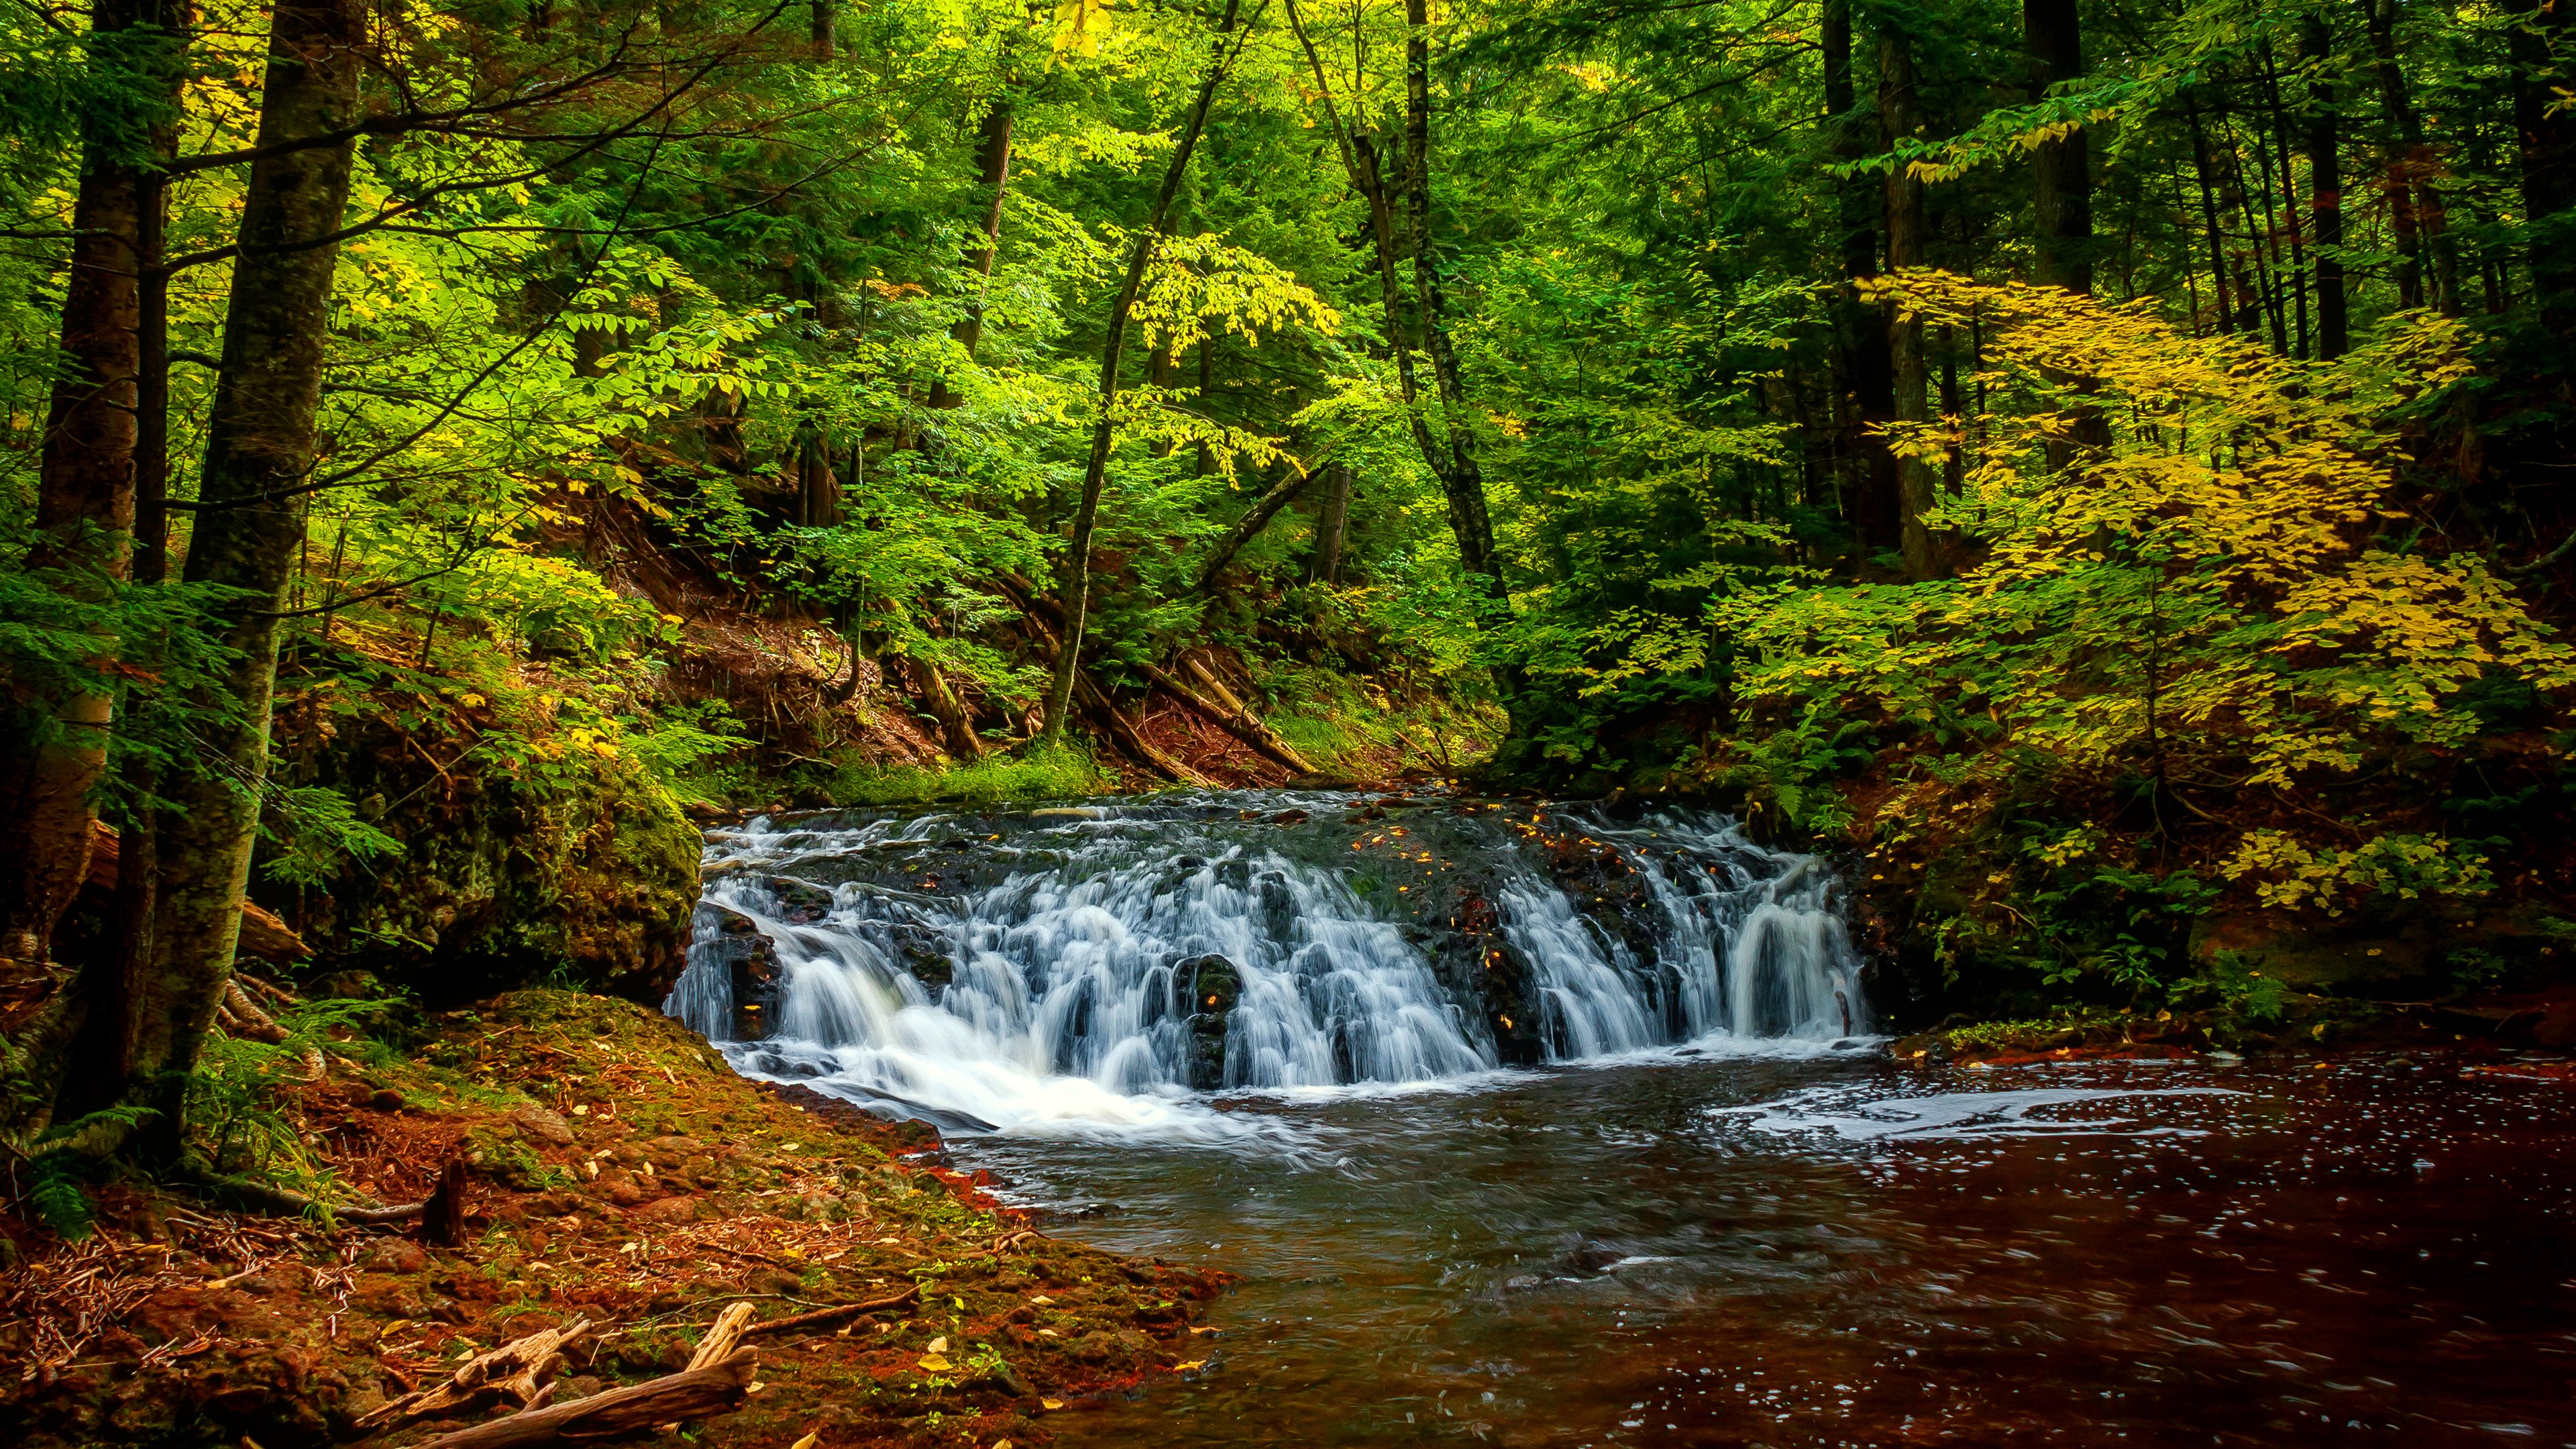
(1869, 483)
(1917, 479)
(1249, 526)
(259, 449)
(1095, 470)
(2325, 192)
(956, 727)
(992, 174)
(85, 486)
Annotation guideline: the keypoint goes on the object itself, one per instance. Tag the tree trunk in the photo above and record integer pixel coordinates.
(2061, 170)
(1095, 471)
(2537, 41)
(826, 26)
(2325, 193)
(1917, 480)
(2200, 166)
(1329, 527)
(1464, 482)
(992, 174)
(1868, 468)
(259, 446)
(84, 489)
(2298, 272)
(2402, 150)
(818, 490)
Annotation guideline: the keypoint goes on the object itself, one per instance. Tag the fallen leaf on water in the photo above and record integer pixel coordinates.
(935, 1364)
(1196, 1331)
(1050, 1404)
(805, 1443)
(1196, 1363)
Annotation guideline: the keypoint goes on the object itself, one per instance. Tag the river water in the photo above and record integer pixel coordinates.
(1718, 1219)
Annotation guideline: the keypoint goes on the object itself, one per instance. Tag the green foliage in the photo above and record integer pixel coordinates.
(1040, 772)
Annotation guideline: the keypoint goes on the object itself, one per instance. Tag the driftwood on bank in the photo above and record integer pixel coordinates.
(518, 1372)
(693, 1393)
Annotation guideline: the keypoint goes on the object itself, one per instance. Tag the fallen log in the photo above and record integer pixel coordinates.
(1126, 736)
(263, 935)
(828, 1317)
(694, 1393)
(1238, 722)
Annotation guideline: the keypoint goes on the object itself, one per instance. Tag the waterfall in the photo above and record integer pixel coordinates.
(1095, 967)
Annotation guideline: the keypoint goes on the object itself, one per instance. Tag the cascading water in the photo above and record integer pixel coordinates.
(1086, 968)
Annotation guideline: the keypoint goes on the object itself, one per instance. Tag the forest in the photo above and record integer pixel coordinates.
(2095, 472)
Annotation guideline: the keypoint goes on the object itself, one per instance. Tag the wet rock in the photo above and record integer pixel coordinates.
(1214, 985)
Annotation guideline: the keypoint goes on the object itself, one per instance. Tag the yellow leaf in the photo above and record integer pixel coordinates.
(1196, 1363)
(805, 1443)
(935, 1364)
(1050, 1404)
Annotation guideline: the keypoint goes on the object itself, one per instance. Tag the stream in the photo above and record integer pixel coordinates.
(1562, 1126)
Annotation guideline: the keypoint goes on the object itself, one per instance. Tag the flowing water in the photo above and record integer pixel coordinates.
(1701, 1209)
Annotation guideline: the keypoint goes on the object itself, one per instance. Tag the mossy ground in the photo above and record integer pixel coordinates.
(621, 1173)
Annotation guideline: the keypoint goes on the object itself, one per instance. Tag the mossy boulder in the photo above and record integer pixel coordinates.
(581, 872)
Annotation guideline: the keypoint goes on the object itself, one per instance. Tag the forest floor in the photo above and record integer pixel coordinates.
(621, 1173)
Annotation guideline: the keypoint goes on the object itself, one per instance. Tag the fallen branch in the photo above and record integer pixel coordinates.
(259, 1197)
(517, 1372)
(695, 1393)
(828, 1317)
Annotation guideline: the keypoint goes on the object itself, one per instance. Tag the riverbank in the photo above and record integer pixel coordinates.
(616, 1171)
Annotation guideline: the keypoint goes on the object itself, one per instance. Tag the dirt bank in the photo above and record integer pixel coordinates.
(619, 1172)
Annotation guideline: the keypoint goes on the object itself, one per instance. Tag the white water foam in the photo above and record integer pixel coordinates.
(1962, 1116)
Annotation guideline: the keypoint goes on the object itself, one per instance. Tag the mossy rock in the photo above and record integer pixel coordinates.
(582, 874)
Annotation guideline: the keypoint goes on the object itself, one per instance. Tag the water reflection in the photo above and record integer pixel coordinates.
(2376, 1251)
